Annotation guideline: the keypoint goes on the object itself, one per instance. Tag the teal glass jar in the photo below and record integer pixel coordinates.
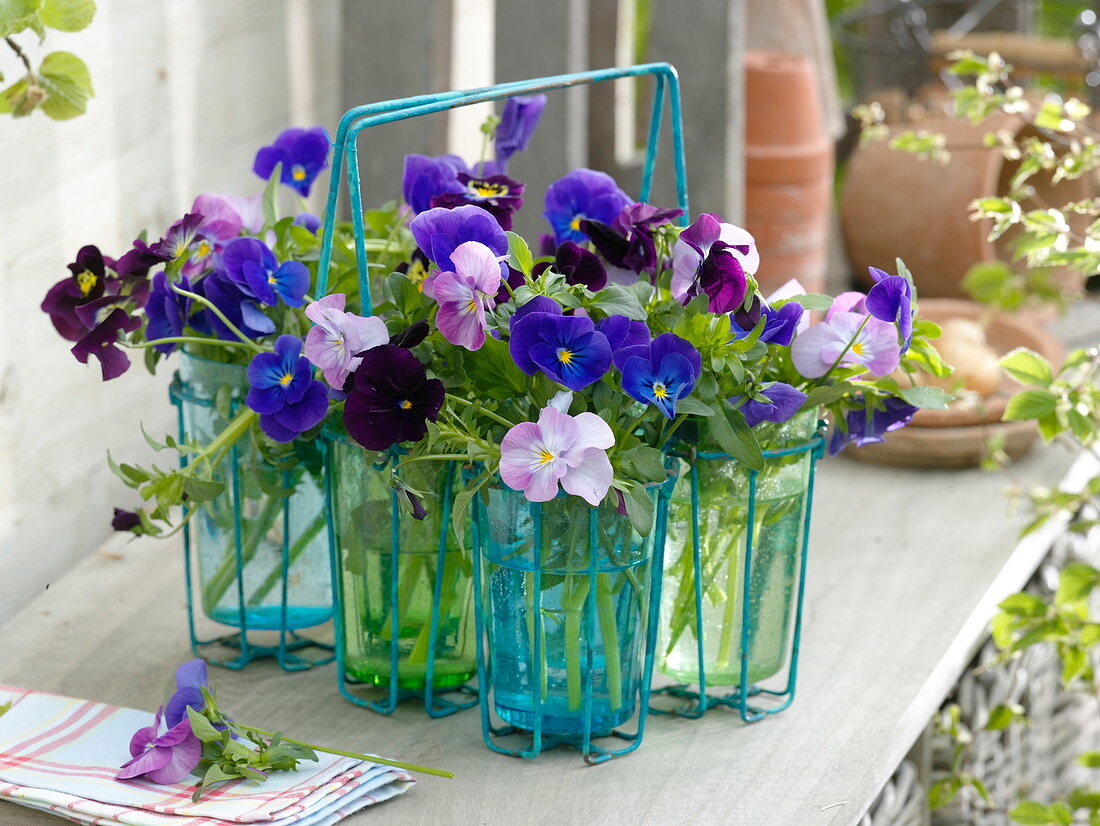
(405, 600)
(567, 613)
(734, 506)
(262, 545)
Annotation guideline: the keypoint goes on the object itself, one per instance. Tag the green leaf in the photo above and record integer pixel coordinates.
(1028, 367)
(271, 197)
(694, 406)
(615, 299)
(1024, 605)
(1074, 663)
(812, 301)
(733, 434)
(67, 83)
(1090, 759)
(202, 727)
(1031, 813)
(926, 397)
(16, 15)
(1060, 813)
(820, 396)
(1030, 404)
(1075, 583)
(944, 791)
(67, 15)
(519, 254)
(5, 707)
(202, 490)
(639, 508)
(1000, 717)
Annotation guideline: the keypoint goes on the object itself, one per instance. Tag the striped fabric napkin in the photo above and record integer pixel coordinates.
(60, 755)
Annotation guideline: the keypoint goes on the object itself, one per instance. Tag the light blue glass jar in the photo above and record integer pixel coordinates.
(567, 587)
(262, 545)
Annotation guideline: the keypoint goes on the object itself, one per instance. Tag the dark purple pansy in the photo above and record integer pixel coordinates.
(783, 401)
(167, 311)
(411, 335)
(864, 427)
(303, 154)
(391, 399)
(102, 343)
(515, 280)
(283, 391)
(566, 348)
(88, 281)
(498, 195)
(252, 267)
(578, 265)
(661, 372)
(181, 237)
(439, 231)
(133, 268)
(583, 194)
(891, 300)
(125, 521)
(627, 243)
(426, 178)
(517, 124)
(780, 324)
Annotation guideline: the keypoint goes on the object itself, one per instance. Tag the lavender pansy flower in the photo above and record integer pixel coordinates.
(438, 232)
(283, 391)
(221, 218)
(303, 154)
(782, 402)
(578, 265)
(559, 449)
(163, 758)
(391, 399)
(661, 372)
(250, 265)
(566, 348)
(498, 195)
(517, 125)
(583, 194)
(465, 294)
(867, 426)
(426, 178)
(853, 339)
(847, 302)
(337, 338)
(167, 311)
(891, 300)
(102, 343)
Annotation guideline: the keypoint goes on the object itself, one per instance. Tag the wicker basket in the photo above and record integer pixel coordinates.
(902, 802)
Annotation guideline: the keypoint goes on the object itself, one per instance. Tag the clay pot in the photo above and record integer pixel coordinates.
(788, 170)
(895, 205)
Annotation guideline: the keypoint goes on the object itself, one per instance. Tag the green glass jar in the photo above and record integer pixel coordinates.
(397, 574)
(777, 536)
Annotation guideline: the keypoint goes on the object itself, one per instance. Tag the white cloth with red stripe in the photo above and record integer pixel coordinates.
(60, 755)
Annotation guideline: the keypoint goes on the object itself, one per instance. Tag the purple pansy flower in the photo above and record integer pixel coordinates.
(133, 268)
(337, 338)
(863, 340)
(283, 391)
(391, 399)
(517, 125)
(538, 304)
(188, 236)
(578, 265)
(438, 232)
(780, 324)
(713, 258)
(661, 372)
(190, 680)
(309, 221)
(867, 426)
(102, 343)
(303, 154)
(559, 448)
(87, 282)
(852, 301)
(498, 195)
(221, 219)
(783, 401)
(891, 300)
(426, 178)
(237, 306)
(583, 194)
(167, 311)
(465, 294)
(622, 333)
(252, 267)
(125, 521)
(163, 758)
(627, 243)
(566, 348)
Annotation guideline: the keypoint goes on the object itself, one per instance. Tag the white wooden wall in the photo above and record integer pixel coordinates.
(187, 90)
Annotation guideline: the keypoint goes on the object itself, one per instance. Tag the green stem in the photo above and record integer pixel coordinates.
(295, 551)
(211, 306)
(725, 641)
(847, 347)
(574, 596)
(481, 409)
(354, 755)
(31, 79)
(609, 634)
(448, 457)
(532, 618)
(188, 340)
(227, 572)
(671, 430)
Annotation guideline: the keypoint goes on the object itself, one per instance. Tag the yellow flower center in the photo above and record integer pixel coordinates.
(287, 379)
(565, 356)
(546, 456)
(86, 280)
(857, 348)
(204, 249)
(484, 189)
(575, 224)
(471, 305)
(271, 280)
(405, 404)
(298, 173)
(660, 391)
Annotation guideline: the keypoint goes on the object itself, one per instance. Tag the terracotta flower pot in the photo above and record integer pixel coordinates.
(896, 206)
(788, 170)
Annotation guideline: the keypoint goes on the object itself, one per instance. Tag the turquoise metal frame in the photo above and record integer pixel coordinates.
(540, 742)
(289, 641)
(699, 701)
(345, 164)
